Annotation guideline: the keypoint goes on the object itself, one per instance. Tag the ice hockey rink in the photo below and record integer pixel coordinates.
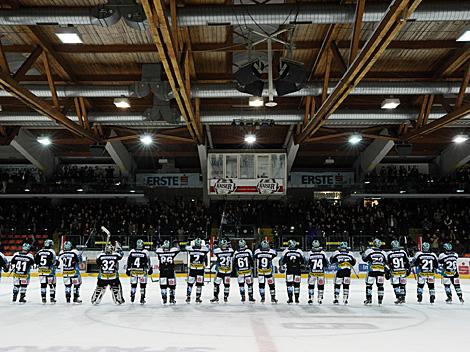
(233, 326)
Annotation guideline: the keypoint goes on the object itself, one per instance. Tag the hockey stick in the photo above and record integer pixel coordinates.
(108, 234)
(355, 272)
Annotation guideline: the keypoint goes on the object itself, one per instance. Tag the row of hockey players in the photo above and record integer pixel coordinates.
(394, 265)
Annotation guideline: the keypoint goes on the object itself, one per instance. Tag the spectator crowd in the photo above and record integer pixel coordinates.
(437, 220)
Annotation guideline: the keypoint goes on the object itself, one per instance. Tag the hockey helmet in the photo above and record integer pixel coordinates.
(395, 244)
(377, 243)
(264, 244)
(166, 245)
(447, 246)
(316, 245)
(343, 246)
(197, 243)
(223, 243)
(48, 243)
(67, 246)
(292, 244)
(26, 247)
(242, 244)
(139, 245)
(426, 247)
(108, 249)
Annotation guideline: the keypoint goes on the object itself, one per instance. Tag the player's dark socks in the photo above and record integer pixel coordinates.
(132, 298)
(44, 299)
(225, 299)
(273, 300)
(449, 299)
(297, 299)
(461, 299)
(15, 297)
(380, 300)
(432, 299)
(262, 299)
(142, 300)
(251, 298)
(198, 300)
(22, 298)
(420, 298)
(77, 300)
(290, 301)
(53, 301)
(164, 299)
(67, 299)
(188, 299)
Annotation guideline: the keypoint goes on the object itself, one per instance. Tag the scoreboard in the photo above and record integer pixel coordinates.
(246, 175)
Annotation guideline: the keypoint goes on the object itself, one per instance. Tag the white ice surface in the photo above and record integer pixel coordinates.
(234, 326)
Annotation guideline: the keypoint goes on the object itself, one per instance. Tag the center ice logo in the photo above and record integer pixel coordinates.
(225, 186)
(268, 186)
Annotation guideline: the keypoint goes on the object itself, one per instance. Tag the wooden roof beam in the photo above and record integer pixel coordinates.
(453, 62)
(41, 106)
(438, 124)
(357, 27)
(158, 23)
(463, 86)
(392, 21)
(28, 63)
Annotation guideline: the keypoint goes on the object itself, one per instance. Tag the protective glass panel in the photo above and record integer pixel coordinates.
(247, 166)
(231, 166)
(216, 162)
(278, 163)
(263, 166)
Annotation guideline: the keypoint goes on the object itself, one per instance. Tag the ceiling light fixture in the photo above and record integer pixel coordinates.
(146, 139)
(460, 138)
(69, 35)
(44, 140)
(255, 102)
(465, 37)
(390, 103)
(250, 139)
(122, 103)
(355, 139)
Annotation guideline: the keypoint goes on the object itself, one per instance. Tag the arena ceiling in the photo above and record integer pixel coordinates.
(405, 49)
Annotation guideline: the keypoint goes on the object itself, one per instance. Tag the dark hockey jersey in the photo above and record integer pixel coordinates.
(197, 257)
(109, 265)
(425, 262)
(21, 263)
(264, 261)
(448, 260)
(375, 259)
(344, 260)
(293, 260)
(70, 262)
(398, 262)
(224, 260)
(46, 261)
(317, 261)
(138, 262)
(243, 261)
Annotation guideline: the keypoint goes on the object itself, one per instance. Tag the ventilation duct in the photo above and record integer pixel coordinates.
(341, 118)
(364, 88)
(136, 90)
(99, 16)
(321, 13)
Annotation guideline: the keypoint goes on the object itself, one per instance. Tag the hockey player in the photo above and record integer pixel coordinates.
(425, 263)
(317, 264)
(166, 263)
(243, 264)
(3, 263)
(344, 261)
(47, 263)
(224, 255)
(71, 260)
(108, 263)
(376, 260)
(21, 264)
(292, 259)
(197, 260)
(138, 267)
(398, 268)
(450, 273)
(263, 259)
